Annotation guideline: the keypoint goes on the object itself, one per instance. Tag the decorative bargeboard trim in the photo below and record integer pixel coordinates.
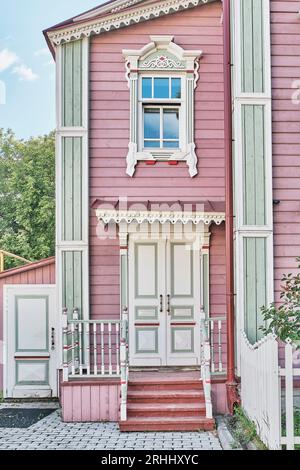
(121, 19)
(129, 216)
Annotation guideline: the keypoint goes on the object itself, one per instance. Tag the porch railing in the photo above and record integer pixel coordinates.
(96, 348)
(205, 360)
(216, 327)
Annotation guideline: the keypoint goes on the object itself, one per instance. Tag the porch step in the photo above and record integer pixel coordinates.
(165, 402)
(160, 424)
(195, 409)
(164, 396)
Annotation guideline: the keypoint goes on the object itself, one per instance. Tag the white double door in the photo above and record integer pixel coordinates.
(164, 303)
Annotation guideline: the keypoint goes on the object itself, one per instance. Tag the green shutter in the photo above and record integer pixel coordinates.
(72, 280)
(255, 261)
(72, 189)
(252, 46)
(72, 84)
(254, 165)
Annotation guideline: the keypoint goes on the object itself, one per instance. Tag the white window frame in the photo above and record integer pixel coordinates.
(176, 63)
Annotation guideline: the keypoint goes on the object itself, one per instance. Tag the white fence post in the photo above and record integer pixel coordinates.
(260, 387)
(289, 397)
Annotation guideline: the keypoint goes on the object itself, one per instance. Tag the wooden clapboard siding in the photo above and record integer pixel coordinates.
(42, 272)
(285, 37)
(90, 401)
(199, 28)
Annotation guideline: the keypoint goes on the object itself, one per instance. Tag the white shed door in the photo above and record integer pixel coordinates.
(31, 335)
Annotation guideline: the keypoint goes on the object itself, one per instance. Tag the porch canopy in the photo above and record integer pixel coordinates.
(141, 211)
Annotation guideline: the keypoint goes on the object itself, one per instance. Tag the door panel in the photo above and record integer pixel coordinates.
(183, 314)
(31, 332)
(146, 321)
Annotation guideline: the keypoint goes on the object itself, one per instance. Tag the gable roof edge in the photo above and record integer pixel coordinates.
(77, 30)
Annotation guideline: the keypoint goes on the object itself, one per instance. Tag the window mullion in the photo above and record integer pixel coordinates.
(161, 127)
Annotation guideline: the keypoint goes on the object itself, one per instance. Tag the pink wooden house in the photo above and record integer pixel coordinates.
(177, 210)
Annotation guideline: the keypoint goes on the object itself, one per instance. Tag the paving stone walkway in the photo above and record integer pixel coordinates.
(51, 434)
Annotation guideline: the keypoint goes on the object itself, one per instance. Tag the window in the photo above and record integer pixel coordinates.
(162, 78)
(161, 120)
(161, 127)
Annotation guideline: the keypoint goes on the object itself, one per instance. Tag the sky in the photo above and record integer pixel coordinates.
(27, 71)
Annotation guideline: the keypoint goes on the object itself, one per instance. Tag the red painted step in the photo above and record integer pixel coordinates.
(167, 424)
(166, 402)
(164, 396)
(195, 409)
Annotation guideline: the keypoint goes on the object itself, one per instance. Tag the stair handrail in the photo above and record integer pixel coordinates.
(205, 359)
(124, 364)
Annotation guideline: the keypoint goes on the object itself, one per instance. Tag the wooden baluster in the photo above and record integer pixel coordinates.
(117, 349)
(220, 345)
(124, 364)
(212, 345)
(65, 332)
(80, 349)
(102, 349)
(88, 348)
(109, 350)
(75, 318)
(95, 348)
(73, 345)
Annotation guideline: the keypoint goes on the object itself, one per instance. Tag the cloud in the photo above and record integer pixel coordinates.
(49, 63)
(7, 59)
(42, 52)
(25, 73)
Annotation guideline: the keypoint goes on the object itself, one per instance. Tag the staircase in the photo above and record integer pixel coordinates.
(166, 401)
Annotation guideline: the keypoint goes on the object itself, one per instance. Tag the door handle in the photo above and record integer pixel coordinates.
(168, 304)
(161, 303)
(52, 339)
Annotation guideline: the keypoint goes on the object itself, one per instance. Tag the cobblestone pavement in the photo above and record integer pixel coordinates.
(51, 434)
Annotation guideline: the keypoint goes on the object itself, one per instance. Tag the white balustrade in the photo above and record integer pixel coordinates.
(217, 336)
(92, 348)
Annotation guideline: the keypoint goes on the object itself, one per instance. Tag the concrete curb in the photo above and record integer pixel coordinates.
(228, 442)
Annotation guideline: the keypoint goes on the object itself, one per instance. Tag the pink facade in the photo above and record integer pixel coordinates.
(41, 272)
(109, 123)
(285, 39)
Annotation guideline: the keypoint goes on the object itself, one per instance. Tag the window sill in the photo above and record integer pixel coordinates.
(162, 155)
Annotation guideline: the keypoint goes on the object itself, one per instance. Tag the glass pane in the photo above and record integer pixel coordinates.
(161, 88)
(176, 88)
(151, 123)
(171, 144)
(171, 124)
(151, 144)
(147, 87)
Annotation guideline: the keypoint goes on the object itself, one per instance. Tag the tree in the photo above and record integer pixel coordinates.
(284, 320)
(27, 196)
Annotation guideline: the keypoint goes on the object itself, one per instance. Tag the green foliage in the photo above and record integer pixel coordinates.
(244, 430)
(284, 320)
(27, 196)
(296, 423)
